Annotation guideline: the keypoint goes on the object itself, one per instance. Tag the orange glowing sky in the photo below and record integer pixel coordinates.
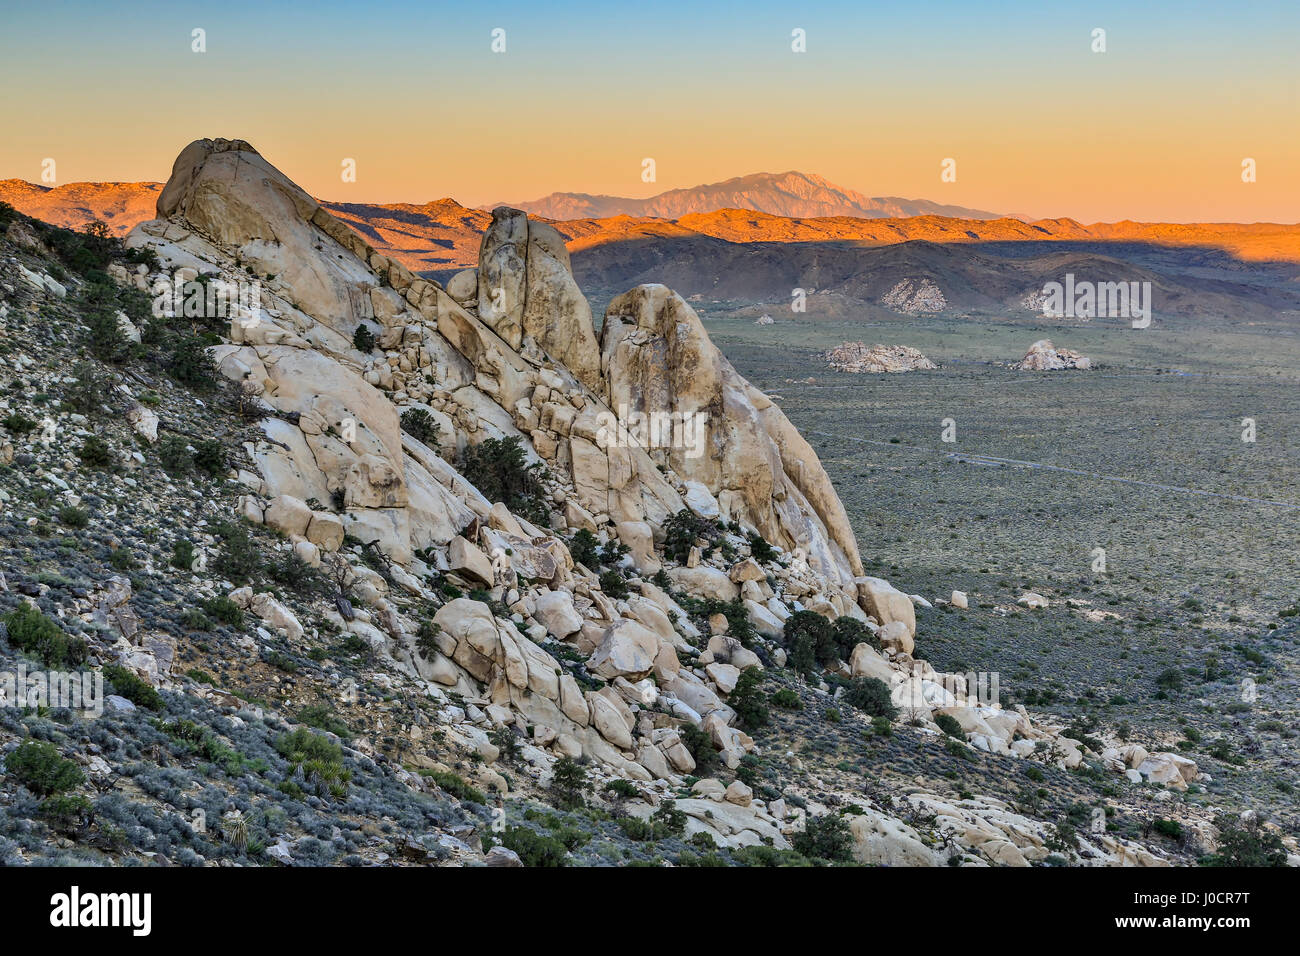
(1153, 129)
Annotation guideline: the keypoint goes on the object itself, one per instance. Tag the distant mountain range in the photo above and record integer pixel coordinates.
(854, 257)
(794, 194)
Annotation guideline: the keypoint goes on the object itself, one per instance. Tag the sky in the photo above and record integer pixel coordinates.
(1155, 128)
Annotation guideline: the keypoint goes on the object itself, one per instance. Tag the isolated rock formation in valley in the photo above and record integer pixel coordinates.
(1045, 357)
(858, 357)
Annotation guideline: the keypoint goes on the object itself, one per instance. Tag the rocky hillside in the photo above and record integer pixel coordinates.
(378, 571)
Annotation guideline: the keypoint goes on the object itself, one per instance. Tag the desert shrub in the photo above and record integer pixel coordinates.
(1168, 828)
(949, 725)
(210, 457)
(585, 548)
(669, 818)
(699, 745)
(182, 555)
(810, 640)
(426, 641)
(363, 340)
(323, 718)
(747, 699)
(18, 424)
(174, 456)
(95, 452)
(135, 689)
(420, 425)
(238, 559)
(195, 620)
(643, 831)
(121, 559)
(38, 767)
(534, 849)
(849, 633)
(507, 743)
(499, 469)
(1170, 679)
(684, 529)
(787, 699)
(74, 517)
(34, 633)
(613, 584)
(102, 335)
(568, 784)
(760, 550)
(624, 789)
(871, 695)
(88, 393)
(457, 786)
(826, 837)
(295, 573)
(1245, 843)
(224, 610)
(68, 813)
(739, 626)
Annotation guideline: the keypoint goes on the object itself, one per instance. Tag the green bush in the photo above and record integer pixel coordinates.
(684, 529)
(747, 699)
(700, 746)
(323, 718)
(871, 695)
(210, 457)
(95, 452)
(613, 584)
(189, 363)
(584, 548)
(827, 837)
(74, 517)
(17, 424)
(568, 784)
(1245, 844)
(195, 620)
(422, 426)
(239, 559)
(224, 610)
(174, 456)
(625, 789)
(182, 555)
(760, 550)
(88, 393)
(295, 573)
(33, 633)
(534, 849)
(67, 813)
(457, 786)
(135, 689)
(363, 340)
(499, 469)
(787, 699)
(949, 725)
(38, 767)
(669, 818)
